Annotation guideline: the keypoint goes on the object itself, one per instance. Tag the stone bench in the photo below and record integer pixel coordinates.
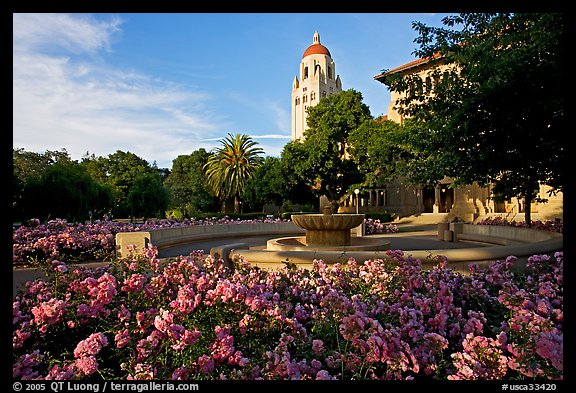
(225, 252)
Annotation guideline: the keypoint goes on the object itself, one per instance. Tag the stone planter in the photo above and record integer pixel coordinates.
(457, 228)
(443, 226)
(448, 236)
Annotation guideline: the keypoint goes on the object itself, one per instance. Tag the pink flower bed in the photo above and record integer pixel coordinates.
(192, 318)
(58, 239)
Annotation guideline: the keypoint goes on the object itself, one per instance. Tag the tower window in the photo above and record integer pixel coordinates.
(330, 72)
(305, 72)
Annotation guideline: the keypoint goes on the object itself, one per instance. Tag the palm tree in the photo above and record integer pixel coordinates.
(228, 168)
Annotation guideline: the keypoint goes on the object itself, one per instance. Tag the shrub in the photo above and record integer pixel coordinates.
(382, 217)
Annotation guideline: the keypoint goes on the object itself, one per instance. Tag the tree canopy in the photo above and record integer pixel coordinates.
(321, 160)
(63, 189)
(187, 182)
(119, 171)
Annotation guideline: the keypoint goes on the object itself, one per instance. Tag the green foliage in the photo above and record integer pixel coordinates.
(119, 171)
(174, 214)
(147, 197)
(305, 209)
(266, 187)
(231, 216)
(188, 185)
(383, 217)
(381, 151)
(27, 168)
(320, 161)
(51, 185)
(297, 190)
(64, 190)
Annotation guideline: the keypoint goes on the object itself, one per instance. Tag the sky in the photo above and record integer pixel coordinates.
(161, 85)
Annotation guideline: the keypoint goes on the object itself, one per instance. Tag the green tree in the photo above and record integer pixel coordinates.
(374, 148)
(119, 171)
(495, 114)
(321, 159)
(296, 190)
(65, 190)
(231, 166)
(188, 185)
(28, 167)
(385, 150)
(265, 187)
(147, 196)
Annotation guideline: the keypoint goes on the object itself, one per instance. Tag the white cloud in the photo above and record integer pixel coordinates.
(65, 96)
(74, 33)
(271, 136)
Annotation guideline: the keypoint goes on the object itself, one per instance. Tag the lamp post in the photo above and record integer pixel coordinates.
(357, 191)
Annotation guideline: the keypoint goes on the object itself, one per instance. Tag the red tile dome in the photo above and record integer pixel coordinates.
(316, 49)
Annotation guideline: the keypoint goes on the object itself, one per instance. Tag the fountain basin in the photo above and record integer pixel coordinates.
(300, 244)
(327, 229)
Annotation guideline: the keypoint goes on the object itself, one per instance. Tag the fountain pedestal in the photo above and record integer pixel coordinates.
(327, 229)
(327, 238)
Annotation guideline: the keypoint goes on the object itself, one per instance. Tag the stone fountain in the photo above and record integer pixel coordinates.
(327, 233)
(328, 237)
(327, 229)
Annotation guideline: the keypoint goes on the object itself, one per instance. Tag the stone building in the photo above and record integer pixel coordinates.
(317, 80)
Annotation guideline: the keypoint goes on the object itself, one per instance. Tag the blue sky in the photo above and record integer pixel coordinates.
(165, 84)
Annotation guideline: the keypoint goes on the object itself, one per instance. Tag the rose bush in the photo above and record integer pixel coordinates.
(193, 318)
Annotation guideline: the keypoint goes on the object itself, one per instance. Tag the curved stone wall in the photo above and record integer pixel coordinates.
(506, 240)
(168, 237)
